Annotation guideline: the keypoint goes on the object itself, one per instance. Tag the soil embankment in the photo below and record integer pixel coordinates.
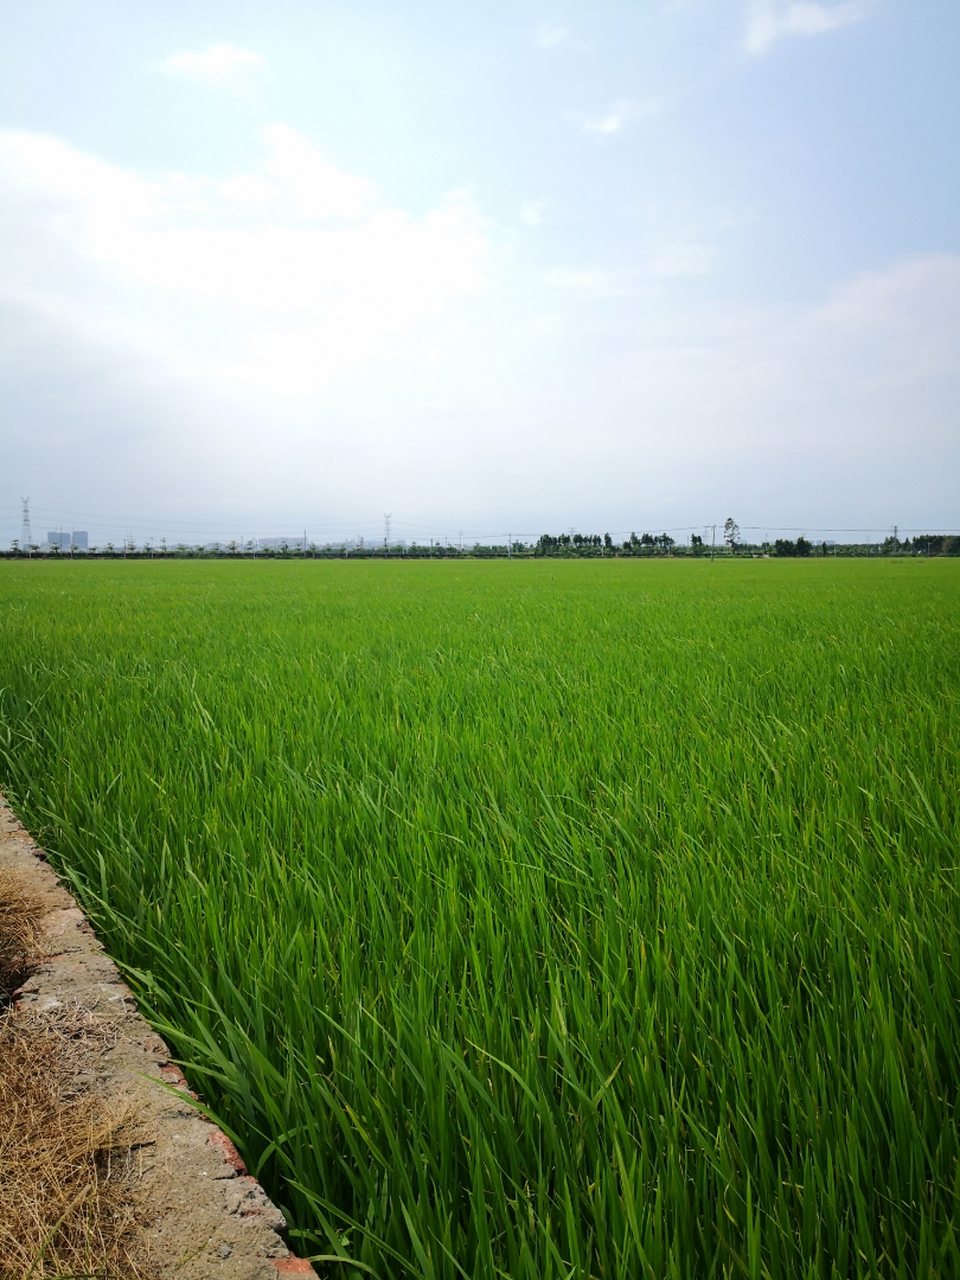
(106, 1169)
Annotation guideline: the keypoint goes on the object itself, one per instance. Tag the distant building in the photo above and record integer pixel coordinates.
(277, 544)
(57, 540)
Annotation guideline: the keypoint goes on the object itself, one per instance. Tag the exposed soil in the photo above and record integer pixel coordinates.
(103, 1170)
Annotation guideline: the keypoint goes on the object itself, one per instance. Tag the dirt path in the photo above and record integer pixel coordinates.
(198, 1214)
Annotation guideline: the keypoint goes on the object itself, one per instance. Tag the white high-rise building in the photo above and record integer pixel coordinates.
(58, 540)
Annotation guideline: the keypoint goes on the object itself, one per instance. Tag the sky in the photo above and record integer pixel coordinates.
(488, 267)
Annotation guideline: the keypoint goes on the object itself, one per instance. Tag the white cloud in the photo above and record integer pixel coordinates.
(218, 65)
(682, 260)
(531, 212)
(584, 279)
(547, 36)
(620, 114)
(319, 189)
(606, 124)
(904, 320)
(246, 189)
(618, 414)
(227, 280)
(768, 20)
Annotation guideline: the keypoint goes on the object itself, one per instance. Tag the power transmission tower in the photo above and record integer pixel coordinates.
(386, 530)
(26, 535)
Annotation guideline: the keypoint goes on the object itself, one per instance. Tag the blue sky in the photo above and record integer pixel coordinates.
(488, 267)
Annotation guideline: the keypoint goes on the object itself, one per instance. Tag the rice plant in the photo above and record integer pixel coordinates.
(535, 920)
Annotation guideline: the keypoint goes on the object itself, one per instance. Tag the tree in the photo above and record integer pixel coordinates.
(927, 544)
(731, 533)
(803, 546)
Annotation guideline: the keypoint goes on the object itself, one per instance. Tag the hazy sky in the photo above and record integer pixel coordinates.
(486, 266)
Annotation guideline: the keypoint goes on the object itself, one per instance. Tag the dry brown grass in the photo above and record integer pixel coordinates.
(67, 1148)
(21, 913)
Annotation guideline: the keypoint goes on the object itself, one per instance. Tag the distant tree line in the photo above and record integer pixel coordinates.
(563, 545)
(934, 544)
(783, 547)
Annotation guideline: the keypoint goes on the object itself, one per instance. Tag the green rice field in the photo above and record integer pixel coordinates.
(542, 920)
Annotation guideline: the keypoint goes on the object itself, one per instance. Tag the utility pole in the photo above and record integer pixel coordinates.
(26, 536)
(386, 531)
(713, 543)
(509, 546)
